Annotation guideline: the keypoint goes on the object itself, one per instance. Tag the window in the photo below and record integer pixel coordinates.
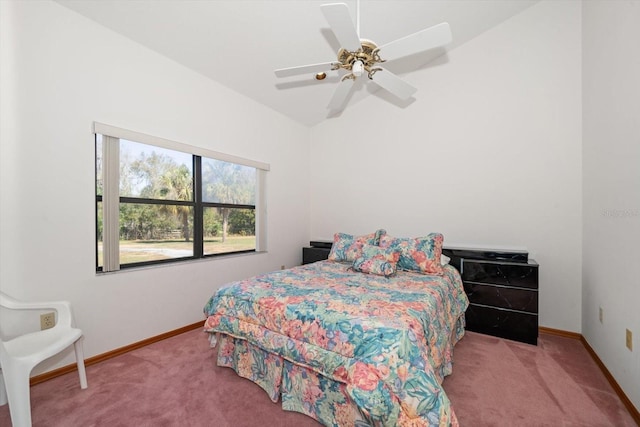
(159, 201)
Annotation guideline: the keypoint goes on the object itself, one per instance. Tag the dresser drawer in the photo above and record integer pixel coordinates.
(503, 297)
(523, 275)
(503, 323)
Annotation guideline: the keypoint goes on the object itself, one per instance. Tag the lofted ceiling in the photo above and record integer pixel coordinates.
(239, 43)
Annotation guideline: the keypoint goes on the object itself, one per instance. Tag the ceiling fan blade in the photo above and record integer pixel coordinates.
(304, 69)
(340, 95)
(394, 84)
(337, 15)
(429, 38)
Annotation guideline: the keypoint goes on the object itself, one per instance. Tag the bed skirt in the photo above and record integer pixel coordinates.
(303, 389)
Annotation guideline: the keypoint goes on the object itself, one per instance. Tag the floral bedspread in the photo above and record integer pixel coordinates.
(389, 340)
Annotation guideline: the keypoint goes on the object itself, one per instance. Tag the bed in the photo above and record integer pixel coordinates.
(344, 347)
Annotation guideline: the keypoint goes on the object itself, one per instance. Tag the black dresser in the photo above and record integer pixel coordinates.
(502, 287)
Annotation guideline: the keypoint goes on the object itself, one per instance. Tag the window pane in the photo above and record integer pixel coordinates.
(229, 230)
(155, 173)
(224, 182)
(155, 232)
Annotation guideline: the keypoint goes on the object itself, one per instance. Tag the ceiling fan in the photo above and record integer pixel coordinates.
(361, 56)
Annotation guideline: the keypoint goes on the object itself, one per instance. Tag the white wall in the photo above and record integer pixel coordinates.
(59, 73)
(611, 192)
(488, 154)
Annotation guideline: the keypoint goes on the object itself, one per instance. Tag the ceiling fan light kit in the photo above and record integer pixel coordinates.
(359, 56)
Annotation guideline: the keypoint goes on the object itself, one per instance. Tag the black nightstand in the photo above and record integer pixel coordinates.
(318, 251)
(503, 298)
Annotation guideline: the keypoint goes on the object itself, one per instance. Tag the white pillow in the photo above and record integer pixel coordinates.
(444, 260)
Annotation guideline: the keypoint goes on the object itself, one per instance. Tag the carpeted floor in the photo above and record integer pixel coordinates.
(176, 383)
(498, 382)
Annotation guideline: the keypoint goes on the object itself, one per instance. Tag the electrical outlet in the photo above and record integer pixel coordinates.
(601, 314)
(629, 340)
(47, 320)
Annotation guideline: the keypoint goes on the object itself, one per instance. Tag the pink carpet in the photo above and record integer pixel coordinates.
(176, 383)
(498, 382)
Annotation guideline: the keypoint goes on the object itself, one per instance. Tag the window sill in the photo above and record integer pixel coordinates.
(180, 263)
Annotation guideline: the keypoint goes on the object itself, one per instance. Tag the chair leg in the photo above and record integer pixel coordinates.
(16, 380)
(80, 361)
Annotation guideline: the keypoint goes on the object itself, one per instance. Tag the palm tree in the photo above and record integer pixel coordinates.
(165, 179)
(177, 185)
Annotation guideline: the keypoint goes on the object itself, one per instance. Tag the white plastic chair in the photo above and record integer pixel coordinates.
(18, 356)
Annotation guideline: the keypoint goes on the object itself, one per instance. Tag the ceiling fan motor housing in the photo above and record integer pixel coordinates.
(367, 54)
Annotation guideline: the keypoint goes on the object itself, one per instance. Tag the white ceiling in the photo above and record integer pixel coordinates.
(239, 43)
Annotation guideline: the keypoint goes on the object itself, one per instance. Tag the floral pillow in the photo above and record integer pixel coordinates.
(420, 254)
(376, 266)
(377, 260)
(347, 247)
(377, 252)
